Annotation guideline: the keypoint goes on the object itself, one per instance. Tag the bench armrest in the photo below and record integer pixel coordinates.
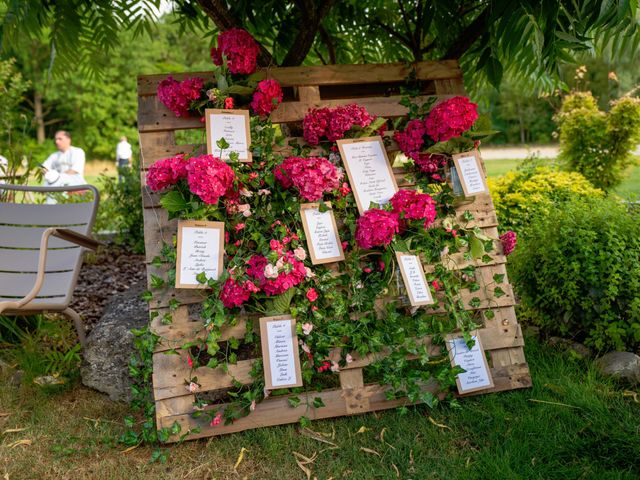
(77, 238)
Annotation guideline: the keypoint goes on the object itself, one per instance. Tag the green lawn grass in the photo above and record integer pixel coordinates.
(571, 424)
(629, 188)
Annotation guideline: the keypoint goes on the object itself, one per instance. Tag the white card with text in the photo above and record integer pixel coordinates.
(321, 231)
(477, 375)
(280, 352)
(200, 249)
(233, 126)
(414, 279)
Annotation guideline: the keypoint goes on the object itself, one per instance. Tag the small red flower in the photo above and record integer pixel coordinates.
(436, 285)
(228, 103)
(312, 295)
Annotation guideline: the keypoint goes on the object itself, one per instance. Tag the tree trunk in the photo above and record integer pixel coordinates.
(39, 117)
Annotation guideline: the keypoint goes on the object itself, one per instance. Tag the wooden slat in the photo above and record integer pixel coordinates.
(167, 386)
(277, 410)
(153, 116)
(327, 74)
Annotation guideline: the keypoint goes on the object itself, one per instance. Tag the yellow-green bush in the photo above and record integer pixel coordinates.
(599, 145)
(519, 196)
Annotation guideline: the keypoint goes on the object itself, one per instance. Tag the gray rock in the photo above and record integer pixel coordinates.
(623, 365)
(109, 347)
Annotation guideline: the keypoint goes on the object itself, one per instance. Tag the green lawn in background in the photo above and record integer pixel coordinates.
(630, 186)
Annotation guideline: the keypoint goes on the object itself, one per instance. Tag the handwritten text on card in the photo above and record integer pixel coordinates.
(415, 279)
(281, 340)
(471, 175)
(476, 375)
(322, 235)
(233, 128)
(369, 172)
(200, 252)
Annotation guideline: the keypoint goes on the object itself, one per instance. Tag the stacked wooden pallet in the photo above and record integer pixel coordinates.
(376, 87)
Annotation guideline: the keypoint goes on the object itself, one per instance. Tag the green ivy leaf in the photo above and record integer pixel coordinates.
(475, 302)
(201, 278)
(498, 277)
(293, 401)
(156, 281)
(304, 421)
(317, 402)
(212, 363)
(489, 314)
(498, 292)
(476, 247)
(222, 144)
(146, 296)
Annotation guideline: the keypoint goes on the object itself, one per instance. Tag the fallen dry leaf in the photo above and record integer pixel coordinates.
(302, 461)
(127, 450)
(4, 414)
(629, 393)
(13, 430)
(307, 432)
(441, 425)
(363, 429)
(396, 469)
(24, 441)
(368, 450)
(240, 458)
(382, 434)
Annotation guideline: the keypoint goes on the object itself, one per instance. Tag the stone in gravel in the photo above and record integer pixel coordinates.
(110, 344)
(623, 365)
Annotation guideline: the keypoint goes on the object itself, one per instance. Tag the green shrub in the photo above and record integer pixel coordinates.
(535, 189)
(596, 144)
(121, 207)
(578, 269)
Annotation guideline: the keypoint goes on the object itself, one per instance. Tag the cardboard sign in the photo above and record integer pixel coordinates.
(477, 375)
(471, 173)
(321, 231)
(369, 171)
(233, 126)
(280, 352)
(414, 279)
(200, 249)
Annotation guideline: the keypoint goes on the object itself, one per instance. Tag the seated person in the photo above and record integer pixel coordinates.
(66, 166)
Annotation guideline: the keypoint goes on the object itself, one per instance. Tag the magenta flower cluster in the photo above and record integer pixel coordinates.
(312, 176)
(333, 123)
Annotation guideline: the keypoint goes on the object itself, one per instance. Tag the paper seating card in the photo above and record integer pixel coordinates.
(414, 279)
(477, 375)
(200, 249)
(369, 170)
(233, 126)
(471, 173)
(280, 352)
(322, 233)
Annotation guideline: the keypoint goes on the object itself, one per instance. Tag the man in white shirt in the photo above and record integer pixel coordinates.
(66, 166)
(123, 155)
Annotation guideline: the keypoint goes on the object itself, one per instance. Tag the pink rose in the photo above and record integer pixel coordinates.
(312, 295)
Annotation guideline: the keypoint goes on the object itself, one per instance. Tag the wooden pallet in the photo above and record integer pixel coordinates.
(377, 88)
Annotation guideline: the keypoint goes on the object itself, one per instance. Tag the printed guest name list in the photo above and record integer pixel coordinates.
(200, 251)
(282, 352)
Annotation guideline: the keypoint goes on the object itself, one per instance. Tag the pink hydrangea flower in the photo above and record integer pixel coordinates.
(414, 205)
(333, 123)
(311, 176)
(216, 420)
(166, 172)
(234, 294)
(209, 178)
(508, 240)
(451, 118)
(267, 97)
(411, 139)
(376, 228)
(431, 164)
(240, 49)
(178, 96)
(293, 273)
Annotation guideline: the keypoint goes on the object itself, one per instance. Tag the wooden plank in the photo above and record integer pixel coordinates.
(167, 386)
(155, 117)
(327, 74)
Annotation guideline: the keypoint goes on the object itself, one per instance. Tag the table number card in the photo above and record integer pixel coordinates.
(200, 249)
(233, 126)
(369, 170)
(322, 233)
(477, 375)
(280, 352)
(471, 173)
(414, 279)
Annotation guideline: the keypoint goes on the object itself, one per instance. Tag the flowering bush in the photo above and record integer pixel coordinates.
(240, 50)
(166, 173)
(413, 205)
(451, 118)
(209, 178)
(267, 97)
(333, 123)
(179, 96)
(376, 228)
(311, 176)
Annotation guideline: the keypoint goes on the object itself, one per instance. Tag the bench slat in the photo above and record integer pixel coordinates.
(27, 260)
(19, 284)
(45, 215)
(29, 237)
